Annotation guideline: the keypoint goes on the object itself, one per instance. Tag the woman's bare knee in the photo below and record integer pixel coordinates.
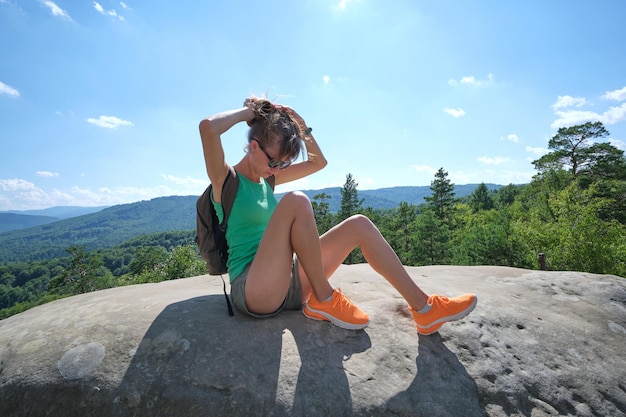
(296, 200)
(360, 225)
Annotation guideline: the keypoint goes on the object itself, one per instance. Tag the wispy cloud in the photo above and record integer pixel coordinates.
(111, 12)
(16, 184)
(512, 138)
(56, 10)
(472, 81)
(8, 90)
(47, 174)
(109, 122)
(425, 168)
(184, 181)
(537, 151)
(456, 113)
(567, 115)
(618, 95)
(572, 117)
(568, 101)
(498, 160)
(619, 144)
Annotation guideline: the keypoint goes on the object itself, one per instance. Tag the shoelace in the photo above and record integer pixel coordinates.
(342, 301)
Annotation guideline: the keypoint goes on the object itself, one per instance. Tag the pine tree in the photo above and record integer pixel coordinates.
(323, 217)
(350, 205)
(481, 199)
(442, 199)
(577, 148)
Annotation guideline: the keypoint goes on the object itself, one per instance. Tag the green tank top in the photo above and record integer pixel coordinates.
(252, 209)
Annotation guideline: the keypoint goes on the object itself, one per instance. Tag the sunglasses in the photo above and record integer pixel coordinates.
(273, 163)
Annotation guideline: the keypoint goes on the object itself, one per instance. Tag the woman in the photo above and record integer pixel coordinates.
(264, 235)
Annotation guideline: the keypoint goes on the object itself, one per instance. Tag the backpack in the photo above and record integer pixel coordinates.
(211, 234)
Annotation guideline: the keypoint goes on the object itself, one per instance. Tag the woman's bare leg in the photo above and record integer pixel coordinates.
(359, 231)
(291, 229)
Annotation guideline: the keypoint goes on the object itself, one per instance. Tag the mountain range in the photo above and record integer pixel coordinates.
(22, 219)
(37, 235)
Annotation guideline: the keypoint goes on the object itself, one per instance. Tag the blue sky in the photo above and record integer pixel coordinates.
(100, 101)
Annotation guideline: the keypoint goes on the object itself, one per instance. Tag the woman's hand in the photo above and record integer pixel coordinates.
(259, 106)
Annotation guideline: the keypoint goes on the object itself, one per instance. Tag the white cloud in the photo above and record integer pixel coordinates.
(5, 89)
(425, 168)
(47, 174)
(472, 81)
(573, 117)
(56, 10)
(619, 144)
(111, 12)
(455, 112)
(16, 184)
(501, 177)
(537, 151)
(124, 6)
(568, 101)
(20, 194)
(185, 181)
(619, 95)
(512, 138)
(109, 122)
(498, 160)
(614, 115)
(326, 79)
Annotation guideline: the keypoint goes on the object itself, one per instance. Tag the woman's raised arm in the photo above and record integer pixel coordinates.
(211, 130)
(315, 159)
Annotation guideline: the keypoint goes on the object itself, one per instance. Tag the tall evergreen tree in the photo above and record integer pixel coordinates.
(481, 199)
(577, 150)
(432, 240)
(323, 217)
(403, 232)
(350, 205)
(442, 199)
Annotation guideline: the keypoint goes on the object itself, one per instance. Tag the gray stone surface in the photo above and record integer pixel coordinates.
(538, 344)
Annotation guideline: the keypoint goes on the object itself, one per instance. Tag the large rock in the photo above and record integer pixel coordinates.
(538, 344)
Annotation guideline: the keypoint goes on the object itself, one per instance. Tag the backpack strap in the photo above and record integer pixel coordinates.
(271, 181)
(229, 192)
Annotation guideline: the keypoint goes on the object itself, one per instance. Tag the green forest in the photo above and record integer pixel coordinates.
(571, 216)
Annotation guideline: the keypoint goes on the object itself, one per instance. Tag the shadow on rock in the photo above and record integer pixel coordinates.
(441, 388)
(196, 360)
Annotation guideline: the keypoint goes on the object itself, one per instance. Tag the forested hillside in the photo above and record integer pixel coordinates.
(572, 216)
(116, 224)
(103, 229)
(13, 221)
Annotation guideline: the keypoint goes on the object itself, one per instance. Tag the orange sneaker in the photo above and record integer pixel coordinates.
(442, 309)
(339, 311)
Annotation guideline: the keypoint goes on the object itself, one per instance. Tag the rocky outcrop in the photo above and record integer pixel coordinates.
(540, 343)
